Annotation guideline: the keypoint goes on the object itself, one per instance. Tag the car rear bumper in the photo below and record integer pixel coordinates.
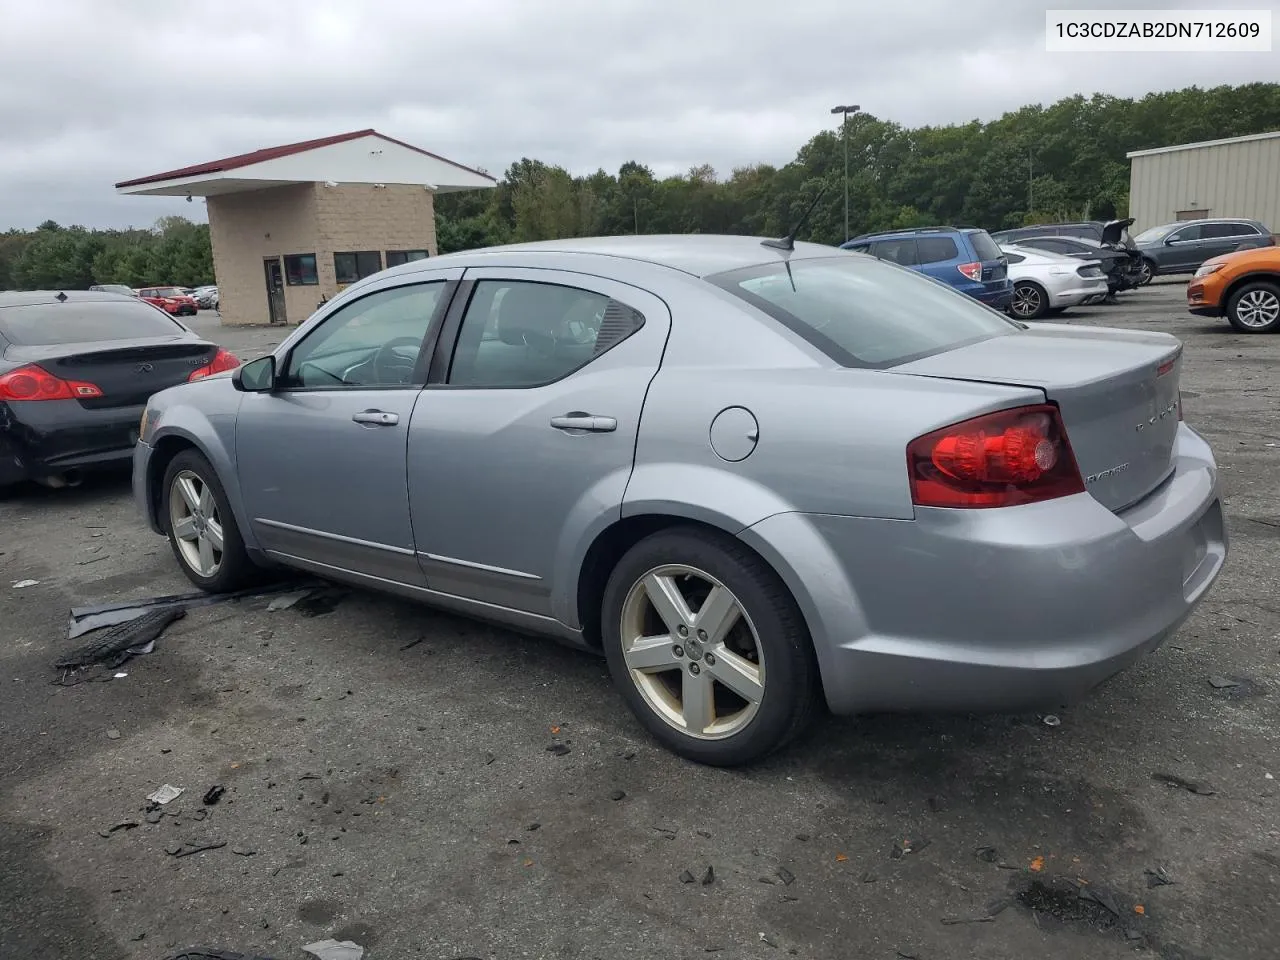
(47, 438)
(999, 610)
(1078, 292)
(997, 294)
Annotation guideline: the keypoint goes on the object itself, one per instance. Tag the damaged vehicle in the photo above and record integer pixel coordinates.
(76, 369)
(1120, 258)
(760, 477)
(1048, 283)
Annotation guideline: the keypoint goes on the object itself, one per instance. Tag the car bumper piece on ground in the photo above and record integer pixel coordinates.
(46, 439)
(1004, 609)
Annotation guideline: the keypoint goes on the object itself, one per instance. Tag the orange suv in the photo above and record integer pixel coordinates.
(1243, 286)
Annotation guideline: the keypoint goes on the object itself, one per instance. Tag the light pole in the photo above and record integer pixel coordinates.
(846, 109)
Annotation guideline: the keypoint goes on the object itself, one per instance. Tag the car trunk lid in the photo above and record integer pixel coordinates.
(127, 372)
(1117, 392)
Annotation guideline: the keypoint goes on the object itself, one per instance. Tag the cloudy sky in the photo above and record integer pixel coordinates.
(97, 91)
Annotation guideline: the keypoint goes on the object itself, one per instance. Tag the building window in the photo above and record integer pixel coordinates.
(350, 267)
(300, 270)
(397, 257)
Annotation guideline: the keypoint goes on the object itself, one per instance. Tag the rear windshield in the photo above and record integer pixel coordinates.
(863, 312)
(90, 321)
(984, 246)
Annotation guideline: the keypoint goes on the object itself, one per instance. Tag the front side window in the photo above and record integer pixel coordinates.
(350, 267)
(371, 342)
(862, 313)
(397, 257)
(518, 333)
(900, 250)
(300, 270)
(1188, 233)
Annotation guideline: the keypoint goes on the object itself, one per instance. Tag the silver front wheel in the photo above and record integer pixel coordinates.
(1258, 308)
(196, 523)
(692, 652)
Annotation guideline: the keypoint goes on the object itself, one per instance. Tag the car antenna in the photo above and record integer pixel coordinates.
(789, 241)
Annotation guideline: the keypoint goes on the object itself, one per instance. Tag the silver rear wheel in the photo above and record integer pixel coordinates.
(692, 652)
(196, 523)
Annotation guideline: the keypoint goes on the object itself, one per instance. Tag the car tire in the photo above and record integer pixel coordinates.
(229, 568)
(1147, 274)
(1030, 301)
(1255, 307)
(726, 698)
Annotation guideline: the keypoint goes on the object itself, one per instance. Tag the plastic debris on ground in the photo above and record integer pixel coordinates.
(118, 643)
(1052, 720)
(23, 584)
(285, 601)
(334, 950)
(165, 794)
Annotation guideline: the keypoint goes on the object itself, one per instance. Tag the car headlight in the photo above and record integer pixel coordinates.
(1208, 268)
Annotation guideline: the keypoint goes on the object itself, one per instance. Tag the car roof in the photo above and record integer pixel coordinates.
(911, 231)
(31, 298)
(696, 254)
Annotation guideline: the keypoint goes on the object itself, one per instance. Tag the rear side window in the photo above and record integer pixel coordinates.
(52, 324)
(983, 246)
(936, 249)
(862, 313)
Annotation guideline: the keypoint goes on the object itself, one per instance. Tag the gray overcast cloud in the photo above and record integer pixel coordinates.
(97, 91)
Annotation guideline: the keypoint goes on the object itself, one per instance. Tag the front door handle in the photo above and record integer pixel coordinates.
(377, 418)
(585, 422)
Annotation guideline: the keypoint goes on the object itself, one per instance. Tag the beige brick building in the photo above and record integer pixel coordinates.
(291, 225)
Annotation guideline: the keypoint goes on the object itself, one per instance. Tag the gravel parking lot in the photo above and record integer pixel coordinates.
(388, 778)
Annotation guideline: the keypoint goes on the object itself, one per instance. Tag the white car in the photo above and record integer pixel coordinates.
(1046, 282)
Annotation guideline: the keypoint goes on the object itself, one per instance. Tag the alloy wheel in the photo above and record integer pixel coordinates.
(1258, 309)
(1145, 273)
(196, 523)
(692, 652)
(1026, 301)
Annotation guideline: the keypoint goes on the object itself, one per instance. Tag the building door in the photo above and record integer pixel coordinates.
(275, 291)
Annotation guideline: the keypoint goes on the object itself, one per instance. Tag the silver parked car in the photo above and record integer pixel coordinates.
(757, 478)
(1045, 283)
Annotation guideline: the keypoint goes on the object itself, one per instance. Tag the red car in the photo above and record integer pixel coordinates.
(170, 300)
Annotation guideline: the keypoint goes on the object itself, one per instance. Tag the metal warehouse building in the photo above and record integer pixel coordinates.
(1239, 177)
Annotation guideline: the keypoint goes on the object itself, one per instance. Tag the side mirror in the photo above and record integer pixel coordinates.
(256, 376)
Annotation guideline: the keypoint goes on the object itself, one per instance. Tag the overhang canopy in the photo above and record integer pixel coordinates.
(363, 156)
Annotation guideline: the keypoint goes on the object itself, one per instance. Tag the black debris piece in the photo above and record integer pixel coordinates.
(668, 833)
(802, 837)
(214, 794)
(987, 854)
(709, 877)
(869, 878)
(704, 834)
(786, 876)
(686, 877)
(112, 646)
(768, 880)
(1102, 897)
(904, 955)
(558, 749)
(905, 846)
(998, 906)
(533, 826)
(123, 825)
(321, 601)
(955, 921)
(199, 814)
(1157, 877)
(243, 851)
(191, 847)
(154, 816)
(937, 804)
(489, 758)
(618, 795)
(210, 953)
(1191, 786)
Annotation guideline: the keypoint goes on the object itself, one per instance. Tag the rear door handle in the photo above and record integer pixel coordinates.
(377, 418)
(585, 422)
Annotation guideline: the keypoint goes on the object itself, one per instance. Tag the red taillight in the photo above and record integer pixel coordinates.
(971, 270)
(34, 382)
(998, 460)
(222, 361)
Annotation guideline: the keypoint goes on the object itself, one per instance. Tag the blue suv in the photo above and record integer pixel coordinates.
(965, 258)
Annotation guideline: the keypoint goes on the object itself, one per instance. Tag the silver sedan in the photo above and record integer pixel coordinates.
(1048, 283)
(759, 480)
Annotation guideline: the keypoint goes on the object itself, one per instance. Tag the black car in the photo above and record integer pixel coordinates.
(76, 370)
(1126, 271)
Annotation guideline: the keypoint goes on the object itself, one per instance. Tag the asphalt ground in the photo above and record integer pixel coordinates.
(388, 780)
